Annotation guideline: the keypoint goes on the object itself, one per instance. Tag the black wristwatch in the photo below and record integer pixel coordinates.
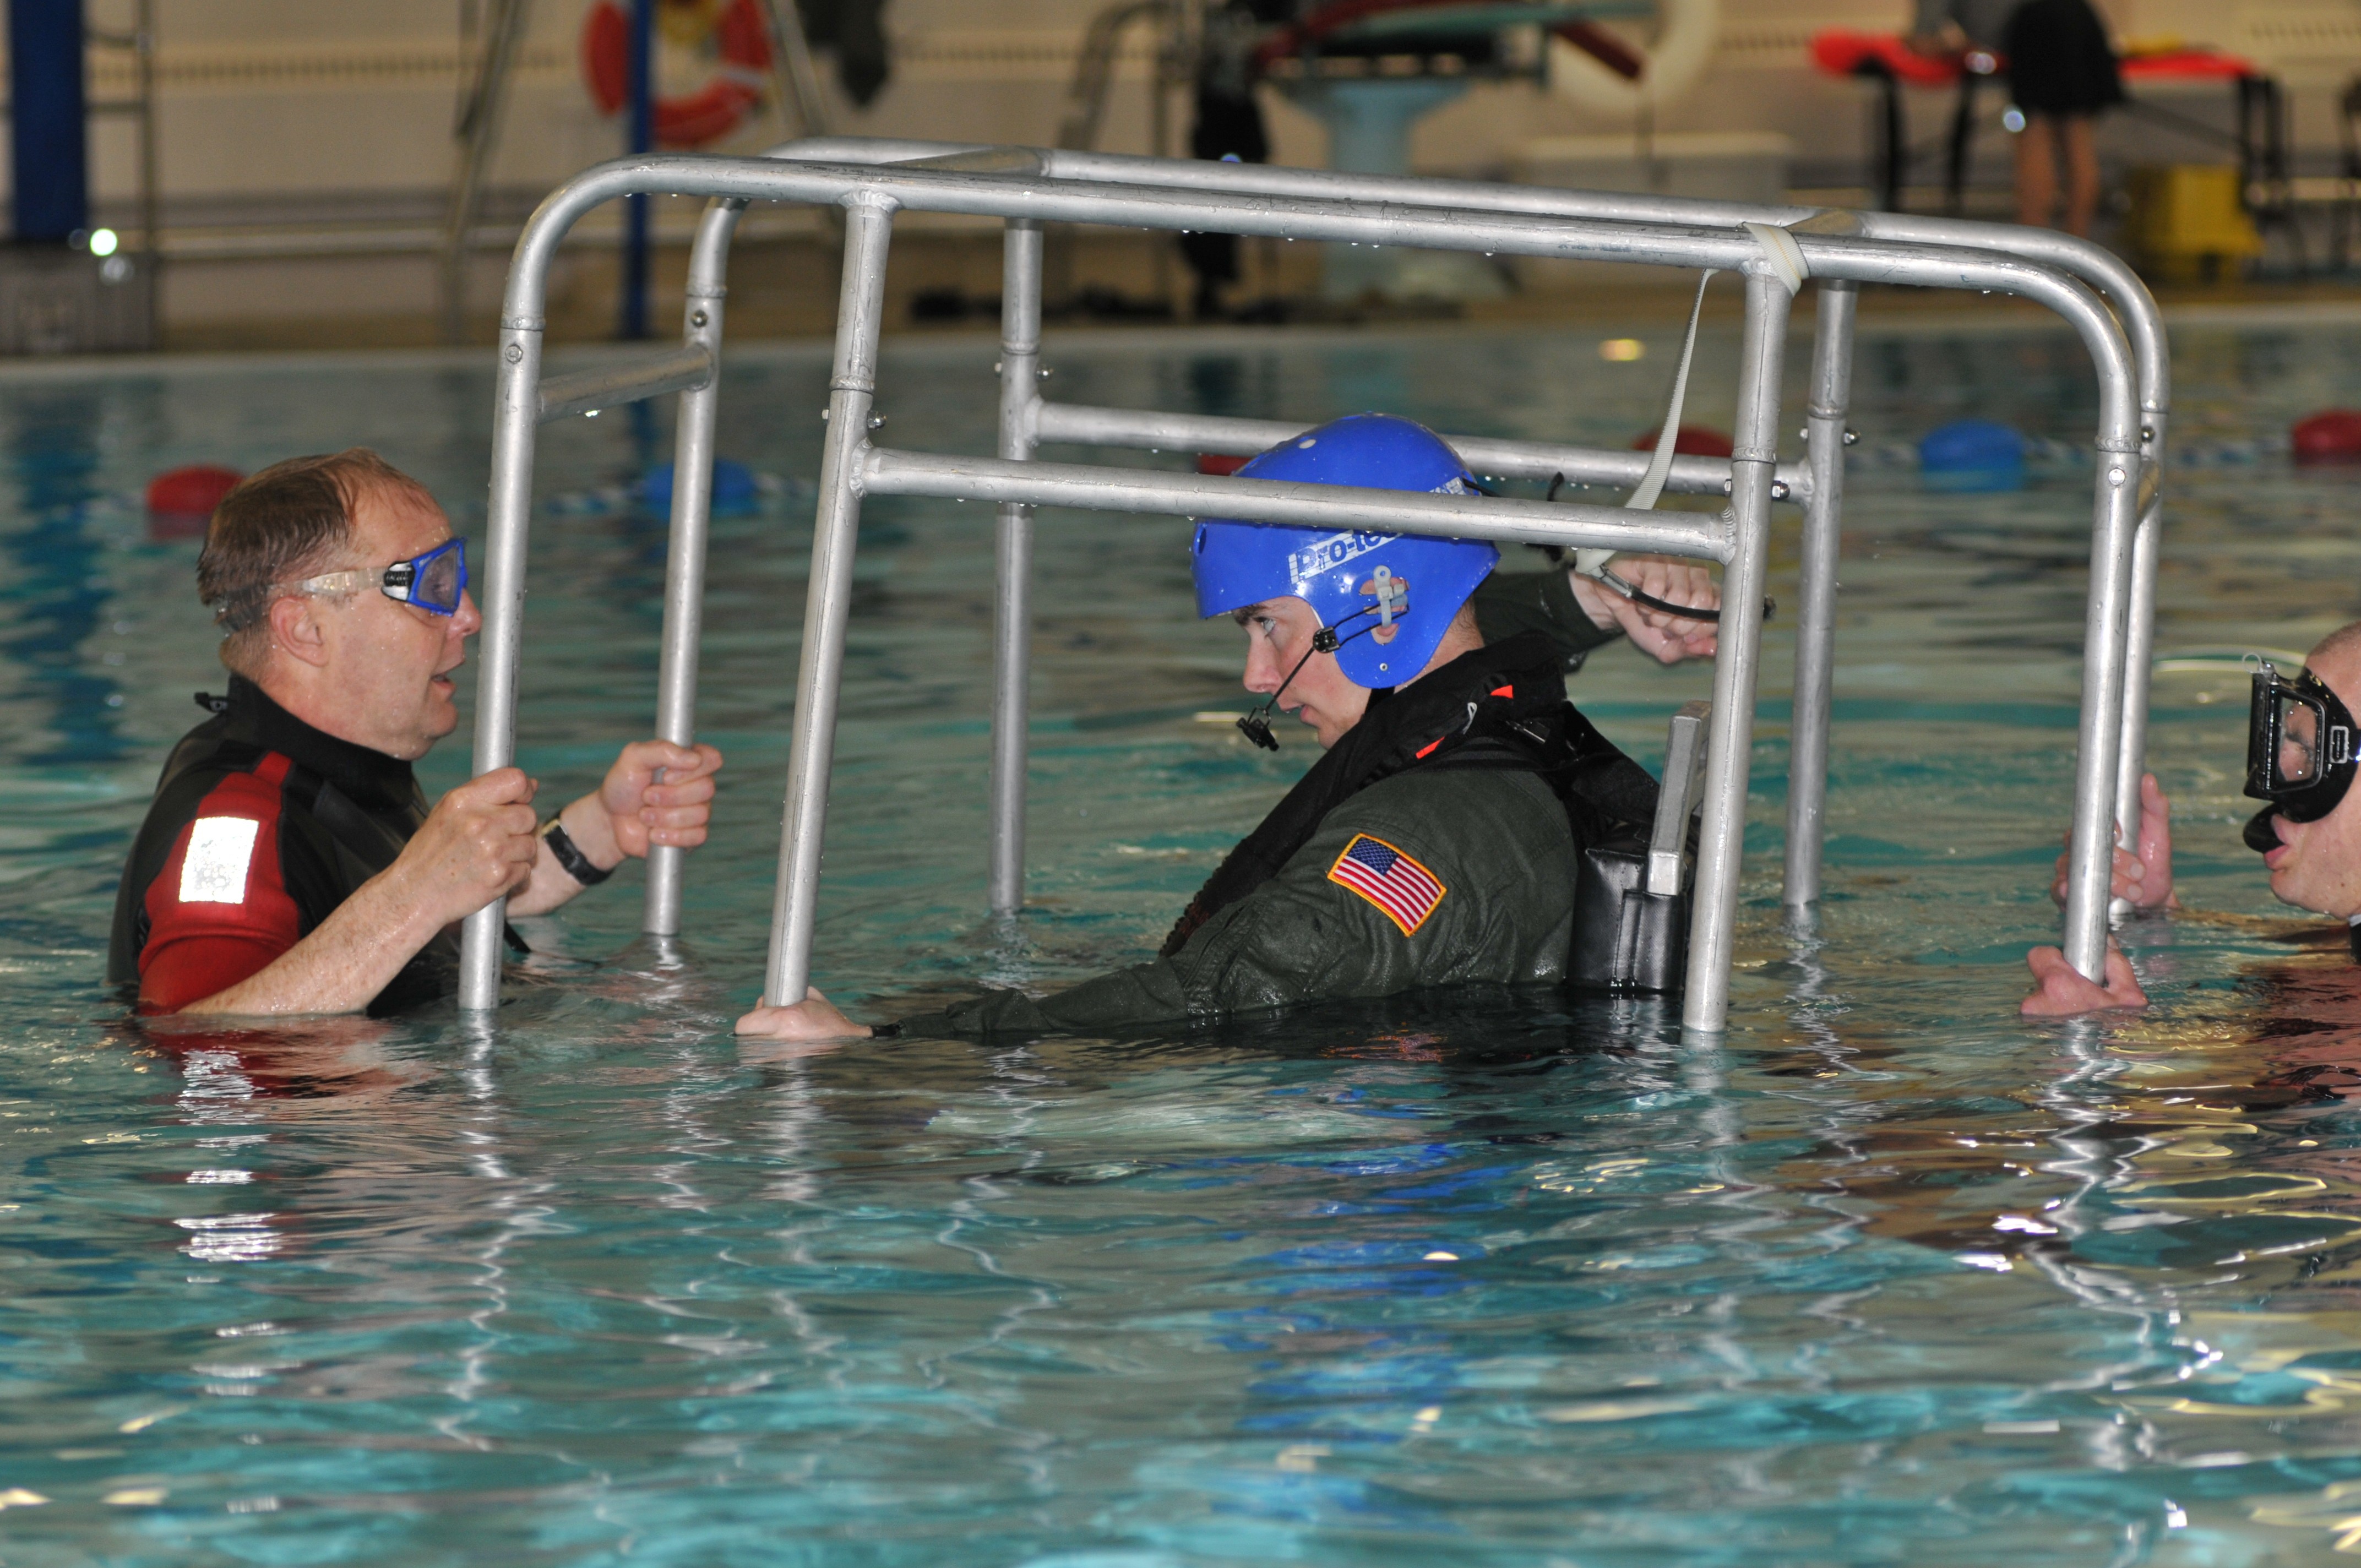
(570, 856)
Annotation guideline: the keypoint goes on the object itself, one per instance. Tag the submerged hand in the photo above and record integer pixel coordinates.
(813, 1018)
(2142, 880)
(2060, 991)
(1668, 639)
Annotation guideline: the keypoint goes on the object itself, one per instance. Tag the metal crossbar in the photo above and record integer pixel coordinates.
(870, 182)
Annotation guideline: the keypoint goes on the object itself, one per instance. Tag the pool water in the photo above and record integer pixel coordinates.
(1886, 1275)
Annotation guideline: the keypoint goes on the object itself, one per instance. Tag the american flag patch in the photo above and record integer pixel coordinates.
(1405, 890)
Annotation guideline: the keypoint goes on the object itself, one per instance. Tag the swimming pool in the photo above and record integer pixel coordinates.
(1886, 1277)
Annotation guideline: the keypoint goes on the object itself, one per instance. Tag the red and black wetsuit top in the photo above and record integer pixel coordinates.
(260, 828)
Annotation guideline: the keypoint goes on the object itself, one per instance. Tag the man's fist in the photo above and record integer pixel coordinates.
(1668, 639)
(2060, 991)
(658, 793)
(814, 1018)
(477, 845)
(2142, 880)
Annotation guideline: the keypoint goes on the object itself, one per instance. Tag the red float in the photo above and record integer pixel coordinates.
(2332, 435)
(1220, 463)
(1694, 441)
(2186, 65)
(1842, 53)
(741, 39)
(192, 491)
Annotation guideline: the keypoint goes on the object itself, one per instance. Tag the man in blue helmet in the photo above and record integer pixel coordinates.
(1436, 841)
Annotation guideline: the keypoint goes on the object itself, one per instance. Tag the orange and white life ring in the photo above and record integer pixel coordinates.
(733, 29)
(1668, 64)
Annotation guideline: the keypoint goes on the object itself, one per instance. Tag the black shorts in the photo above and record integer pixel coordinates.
(2058, 59)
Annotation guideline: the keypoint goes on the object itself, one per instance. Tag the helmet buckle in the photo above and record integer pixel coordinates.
(1392, 595)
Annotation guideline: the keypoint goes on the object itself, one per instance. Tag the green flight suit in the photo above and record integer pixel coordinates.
(1496, 842)
(1508, 604)
(1487, 897)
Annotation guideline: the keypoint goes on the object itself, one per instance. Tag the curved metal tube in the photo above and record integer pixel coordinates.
(2141, 321)
(2094, 264)
(873, 192)
(1059, 201)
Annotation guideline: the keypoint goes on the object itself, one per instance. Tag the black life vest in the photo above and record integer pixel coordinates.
(345, 813)
(1502, 706)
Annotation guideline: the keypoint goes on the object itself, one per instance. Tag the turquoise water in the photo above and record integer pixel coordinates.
(1885, 1277)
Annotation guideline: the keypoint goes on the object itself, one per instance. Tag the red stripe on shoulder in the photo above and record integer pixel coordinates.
(214, 925)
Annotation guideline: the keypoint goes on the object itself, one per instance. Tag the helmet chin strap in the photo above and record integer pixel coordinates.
(1255, 724)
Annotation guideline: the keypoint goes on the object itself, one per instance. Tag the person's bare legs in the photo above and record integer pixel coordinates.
(2036, 171)
(2082, 173)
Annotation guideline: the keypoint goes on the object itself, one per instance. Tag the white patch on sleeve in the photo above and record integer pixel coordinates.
(220, 849)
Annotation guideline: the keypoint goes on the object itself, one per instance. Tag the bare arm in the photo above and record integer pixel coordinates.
(349, 958)
(656, 793)
(475, 845)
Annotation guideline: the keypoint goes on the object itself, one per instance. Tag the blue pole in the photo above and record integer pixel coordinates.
(634, 323)
(48, 127)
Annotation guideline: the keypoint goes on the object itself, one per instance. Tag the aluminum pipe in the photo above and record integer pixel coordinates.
(1155, 430)
(692, 509)
(2094, 264)
(1738, 660)
(1344, 508)
(612, 385)
(1815, 631)
(1012, 602)
(827, 604)
(1017, 196)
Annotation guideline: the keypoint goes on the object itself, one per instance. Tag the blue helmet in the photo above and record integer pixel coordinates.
(1388, 597)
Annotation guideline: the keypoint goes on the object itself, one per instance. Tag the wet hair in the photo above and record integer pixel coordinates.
(288, 521)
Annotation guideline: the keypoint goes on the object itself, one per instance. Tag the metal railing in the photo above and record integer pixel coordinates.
(2093, 264)
(871, 181)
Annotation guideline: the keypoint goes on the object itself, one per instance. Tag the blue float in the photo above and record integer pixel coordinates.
(1972, 456)
(736, 492)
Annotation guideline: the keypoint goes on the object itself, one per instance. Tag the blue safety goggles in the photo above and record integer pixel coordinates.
(434, 582)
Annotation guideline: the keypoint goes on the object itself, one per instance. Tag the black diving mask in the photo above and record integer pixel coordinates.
(2300, 751)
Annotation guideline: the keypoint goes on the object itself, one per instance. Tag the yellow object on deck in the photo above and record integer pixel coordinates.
(2188, 222)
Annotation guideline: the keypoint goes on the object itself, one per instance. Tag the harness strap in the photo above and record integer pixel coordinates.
(1787, 263)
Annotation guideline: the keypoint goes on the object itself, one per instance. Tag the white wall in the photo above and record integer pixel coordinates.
(268, 100)
(293, 110)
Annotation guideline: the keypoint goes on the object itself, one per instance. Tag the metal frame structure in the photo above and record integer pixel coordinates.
(871, 180)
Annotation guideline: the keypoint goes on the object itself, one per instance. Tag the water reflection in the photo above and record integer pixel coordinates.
(54, 592)
(1881, 1276)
